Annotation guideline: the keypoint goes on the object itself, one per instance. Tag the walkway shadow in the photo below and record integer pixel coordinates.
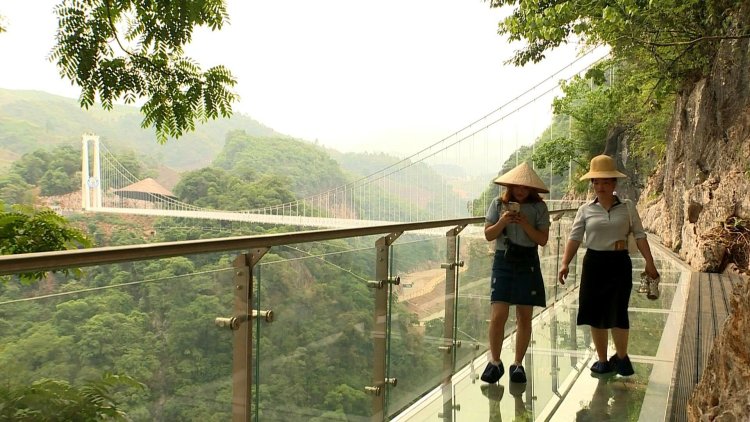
(613, 400)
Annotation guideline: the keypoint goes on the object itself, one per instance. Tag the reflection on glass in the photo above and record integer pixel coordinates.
(613, 400)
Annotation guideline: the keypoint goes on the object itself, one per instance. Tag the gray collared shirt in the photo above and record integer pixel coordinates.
(536, 214)
(603, 228)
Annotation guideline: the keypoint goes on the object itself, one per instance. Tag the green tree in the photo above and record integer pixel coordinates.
(26, 230)
(672, 40)
(15, 190)
(54, 400)
(194, 187)
(56, 182)
(129, 49)
(32, 166)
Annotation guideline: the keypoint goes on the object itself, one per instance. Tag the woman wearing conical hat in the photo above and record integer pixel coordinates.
(519, 222)
(606, 278)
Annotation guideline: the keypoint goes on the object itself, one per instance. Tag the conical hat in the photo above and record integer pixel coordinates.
(522, 175)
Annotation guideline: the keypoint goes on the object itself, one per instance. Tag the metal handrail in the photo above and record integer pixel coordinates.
(47, 261)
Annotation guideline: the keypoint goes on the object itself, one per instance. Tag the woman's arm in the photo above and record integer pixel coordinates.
(570, 250)
(645, 250)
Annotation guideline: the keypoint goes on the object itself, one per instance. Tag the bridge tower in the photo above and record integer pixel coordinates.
(91, 182)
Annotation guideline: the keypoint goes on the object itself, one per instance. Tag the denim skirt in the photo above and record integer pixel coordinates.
(604, 294)
(517, 281)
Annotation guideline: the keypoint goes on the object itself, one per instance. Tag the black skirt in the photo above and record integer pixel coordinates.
(517, 278)
(604, 295)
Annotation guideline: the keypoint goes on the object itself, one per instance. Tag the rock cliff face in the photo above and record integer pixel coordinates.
(703, 181)
(705, 177)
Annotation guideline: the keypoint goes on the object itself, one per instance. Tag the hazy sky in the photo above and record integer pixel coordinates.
(394, 75)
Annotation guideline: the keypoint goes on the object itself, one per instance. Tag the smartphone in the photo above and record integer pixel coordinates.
(514, 207)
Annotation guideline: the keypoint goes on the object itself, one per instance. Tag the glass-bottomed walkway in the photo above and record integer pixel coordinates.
(366, 324)
(560, 386)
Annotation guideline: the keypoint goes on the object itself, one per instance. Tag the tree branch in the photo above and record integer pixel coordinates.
(691, 42)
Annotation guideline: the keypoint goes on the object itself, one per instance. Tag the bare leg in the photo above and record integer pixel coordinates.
(600, 337)
(620, 337)
(523, 333)
(498, 317)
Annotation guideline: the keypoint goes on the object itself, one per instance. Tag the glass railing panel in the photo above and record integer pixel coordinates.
(473, 309)
(153, 321)
(315, 359)
(416, 356)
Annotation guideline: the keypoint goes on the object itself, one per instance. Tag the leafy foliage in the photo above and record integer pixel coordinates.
(215, 188)
(49, 400)
(55, 171)
(26, 230)
(611, 94)
(595, 107)
(58, 172)
(131, 49)
(15, 190)
(672, 40)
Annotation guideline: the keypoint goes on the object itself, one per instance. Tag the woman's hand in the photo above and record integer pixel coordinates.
(563, 274)
(509, 217)
(520, 219)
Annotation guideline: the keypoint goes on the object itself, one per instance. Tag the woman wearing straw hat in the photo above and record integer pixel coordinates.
(519, 222)
(606, 278)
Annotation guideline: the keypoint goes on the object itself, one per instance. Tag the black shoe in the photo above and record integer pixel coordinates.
(613, 361)
(517, 374)
(623, 366)
(601, 368)
(492, 391)
(492, 372)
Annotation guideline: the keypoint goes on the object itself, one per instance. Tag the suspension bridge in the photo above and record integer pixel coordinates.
(437, 182)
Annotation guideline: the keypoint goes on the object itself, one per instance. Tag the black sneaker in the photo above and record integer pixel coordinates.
(492, 391)
(517, 374)
(601, 368)
(624, 367)
(492, 372)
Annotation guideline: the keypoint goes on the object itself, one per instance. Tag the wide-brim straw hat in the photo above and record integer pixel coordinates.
(603, 167)
(522, 175)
